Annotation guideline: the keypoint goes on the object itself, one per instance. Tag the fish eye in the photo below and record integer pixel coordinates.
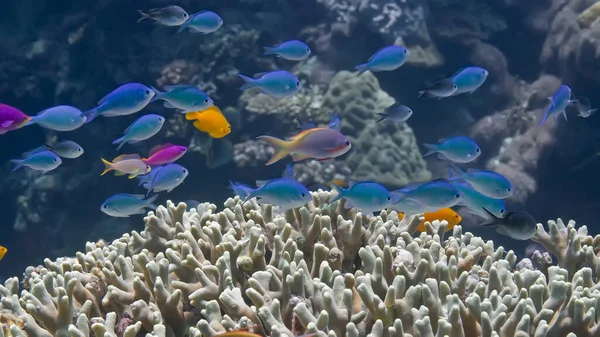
(206, 101)
(185, 15)
(307, 49)
(405, 51)
(456, 216)
(509, 189)
(455, 86)
(478, 149)
(347, 143)
(457, 195)
(297, 83)
(303, 195)
(220, 20)
(147, 92)
(105, 206)
(54, 159)
(184, 171)
(389, 198)
(502, 211)
(79, 150)
(229, 127)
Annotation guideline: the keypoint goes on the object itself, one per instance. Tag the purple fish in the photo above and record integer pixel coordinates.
(164, 154)
(11, 118)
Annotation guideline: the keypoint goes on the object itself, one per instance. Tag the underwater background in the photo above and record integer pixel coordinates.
(75, 52)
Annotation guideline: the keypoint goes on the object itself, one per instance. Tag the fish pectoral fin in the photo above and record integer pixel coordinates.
(7, 124)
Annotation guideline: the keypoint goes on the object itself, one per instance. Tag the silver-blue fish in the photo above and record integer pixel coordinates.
(293, 50)
(366, 196)
(397, 112)
(584, 107)
(488, 183)
(517, 225)
(469, 79)
(141, 129)
(385, 59)
(59, 118)
(123, 205)
(66, 149)
(558, 104)
(474, 200)
(283, 192)
(39, 159)
(438, 89)
(125, 100)
(169, 177)
(434, 194)
(458, 149)
(410, 207)
(185, 98)
(279, 83)
(166, 16)
(204, 22)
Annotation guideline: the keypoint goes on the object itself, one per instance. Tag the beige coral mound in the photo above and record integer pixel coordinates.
(318, 269)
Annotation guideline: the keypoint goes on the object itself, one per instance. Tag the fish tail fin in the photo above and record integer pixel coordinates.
(269, 51)
(91, 114)
(421, 94)
(150, 201)
(31, 121)
(381, 117)
(431, 149)
(362, 68)
(120, 141)
(250, 82)
(107, 166)
(282, 148)
(144, 15)
(157, 94)
(340, 193)
(454, 172)
(183, 27)
(18, 163)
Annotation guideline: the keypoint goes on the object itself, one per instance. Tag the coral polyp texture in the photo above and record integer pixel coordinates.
(318, 269)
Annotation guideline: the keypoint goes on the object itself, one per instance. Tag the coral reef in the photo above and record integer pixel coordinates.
(317, 269)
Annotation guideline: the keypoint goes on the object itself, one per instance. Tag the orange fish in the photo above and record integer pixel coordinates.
(211, 121)
(447, 214)
(3, 252)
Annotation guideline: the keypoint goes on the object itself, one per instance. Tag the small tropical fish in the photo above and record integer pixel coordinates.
(211, 121)
(124, 164)
(488, 183)
(558, 104)
(366, 196)
(3, 252)
(517, 225)
(447, 214)
(457, 149)
(293, 50)
(185, 98)
(11, 118)
(167, 16)
(164, 154)
(317, 143)
(474, 200)
(125, 100)
(66, 149)
(142, 179)
(396, 113)
(283, 192)
(438, 89)
(584, 107)
(386, 58)
(123, 205)
(167, 178)
(59, 118)
(141, 129)
(434, 194)
(469, 79)
(204, 22)
(39, 159)
(240, 189)
(279, 83)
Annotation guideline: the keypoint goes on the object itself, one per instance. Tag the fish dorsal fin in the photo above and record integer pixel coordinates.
(412, 186)
(41, 112)
(259, 75)
(304, 133)
(139, 196)
(178, 86)
(261, 183)
(375, 53)
(472, 170)
(34, 151)
(126, 157)
(458, 71)
(352, 182)
(443, 140)
(103, 99)
(158, 148)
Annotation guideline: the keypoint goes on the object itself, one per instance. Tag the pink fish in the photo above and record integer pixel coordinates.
(11, 118)
(164, 154)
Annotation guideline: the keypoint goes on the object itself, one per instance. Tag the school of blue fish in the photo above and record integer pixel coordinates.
(482, 192)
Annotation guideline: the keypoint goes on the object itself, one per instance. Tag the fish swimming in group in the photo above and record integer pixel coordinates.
(293, 50)
(458, 149)
(366, 196)
(558, 104)
(385, 59)
(164, 154)
(283, 192)
(517, 225)
(166, 178)
(66, 149)
(488, 183)
(125, 100)
(278, 83)
(184, 98)
(11, 118)
(39, 159)
(211, 121)
(447, 214)
(475, 201)
(397, 112)
(317, 143)
(469, 79)
(123, 205)
(3, 251)
(584, 107)
(141, 129)
(438, 89)
(59, 118)
(131, 164)
(204, 22)
(166, 16)
(433, 194)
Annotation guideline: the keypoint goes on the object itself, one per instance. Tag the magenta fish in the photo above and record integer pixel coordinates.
(164, 154)
(11, 118)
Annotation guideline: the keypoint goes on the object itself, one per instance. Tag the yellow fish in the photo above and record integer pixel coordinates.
(3, 252)
(211, 121)
(131, 164)
(447, 214)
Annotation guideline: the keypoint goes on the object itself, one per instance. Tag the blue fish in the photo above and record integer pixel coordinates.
(457, 149)
(558, 104)
(386, 58)
(293, 50)
(125, 100)
(149, 176)
(169, 177)
(434, 194)
(141, 129)
(279, 83)
(59, 118)
(123, 205)
(366, 196)
(283, 192)
(474, 200)
(66, 149)
(489, 183)
(240, 189)
(204, 22)
(398, 113)
(39, 159)
(468, 79)
(186, 98)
